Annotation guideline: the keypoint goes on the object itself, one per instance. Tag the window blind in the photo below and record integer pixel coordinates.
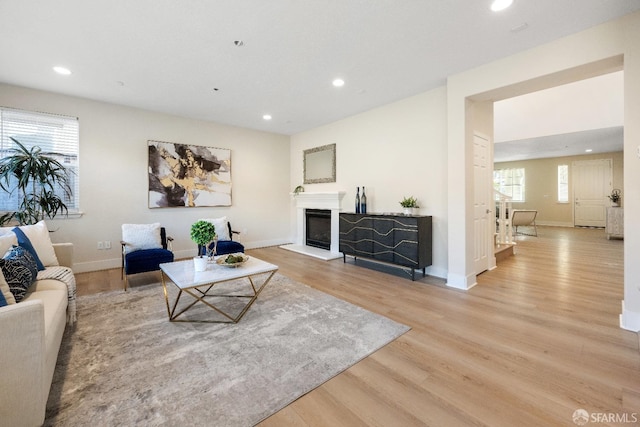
(54, 134)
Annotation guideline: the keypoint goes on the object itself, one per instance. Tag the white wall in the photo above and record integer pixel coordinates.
(394, 151)
(113, 176)
(595, 103)
(592, 52)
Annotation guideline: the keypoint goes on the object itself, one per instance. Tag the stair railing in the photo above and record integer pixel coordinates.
(503, 207)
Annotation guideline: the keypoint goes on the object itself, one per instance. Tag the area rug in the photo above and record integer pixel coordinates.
(124, 363)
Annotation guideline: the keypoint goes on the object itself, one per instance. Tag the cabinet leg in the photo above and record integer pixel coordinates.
(413, 274)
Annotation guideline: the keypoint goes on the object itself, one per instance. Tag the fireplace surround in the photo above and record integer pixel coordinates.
(325, 201)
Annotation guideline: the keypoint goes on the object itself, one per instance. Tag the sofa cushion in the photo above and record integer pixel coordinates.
(54, 299)
(20, 270)
(146, 260)
(38, 234)
(5, 292)
(141, 236)
(228, 247)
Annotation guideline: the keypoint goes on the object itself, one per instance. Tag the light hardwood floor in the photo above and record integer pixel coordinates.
(535, 340)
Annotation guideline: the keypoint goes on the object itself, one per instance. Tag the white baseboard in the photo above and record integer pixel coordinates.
(555, 224)
(464, 283)
(629, 320)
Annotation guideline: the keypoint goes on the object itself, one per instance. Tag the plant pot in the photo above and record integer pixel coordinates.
(200, 263)
(409, 211)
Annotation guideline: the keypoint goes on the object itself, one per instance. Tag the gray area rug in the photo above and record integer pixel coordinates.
(124, 363)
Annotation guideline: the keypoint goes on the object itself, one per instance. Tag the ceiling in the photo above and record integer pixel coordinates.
(579, 118)
(179, 57)
(606, 140)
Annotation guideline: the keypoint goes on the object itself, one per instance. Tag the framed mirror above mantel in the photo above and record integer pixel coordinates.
(319, 164)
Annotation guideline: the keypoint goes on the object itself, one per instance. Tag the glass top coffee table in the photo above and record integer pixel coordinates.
(202, 286)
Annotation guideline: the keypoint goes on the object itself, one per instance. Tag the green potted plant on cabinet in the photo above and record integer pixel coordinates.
(409, 205)
(39, 178)
(203, 233)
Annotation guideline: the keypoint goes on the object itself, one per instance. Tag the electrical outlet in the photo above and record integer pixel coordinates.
(100, 246)
(107, 244)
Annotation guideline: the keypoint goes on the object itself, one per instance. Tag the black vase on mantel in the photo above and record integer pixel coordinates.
(358, 199)
(363, 202)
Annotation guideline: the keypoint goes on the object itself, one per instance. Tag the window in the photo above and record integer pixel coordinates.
(52, 133)
(510, 182)
(563, 183)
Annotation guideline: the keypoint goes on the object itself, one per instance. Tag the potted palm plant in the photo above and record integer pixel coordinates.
(203, 233)
(40, 180)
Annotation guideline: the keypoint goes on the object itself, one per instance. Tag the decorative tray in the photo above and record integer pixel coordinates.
(232, 260)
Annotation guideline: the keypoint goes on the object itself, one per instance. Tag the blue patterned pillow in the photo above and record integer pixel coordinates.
(23, 241)
(20, 271)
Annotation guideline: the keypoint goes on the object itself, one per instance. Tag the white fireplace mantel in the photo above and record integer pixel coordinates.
(329, 200)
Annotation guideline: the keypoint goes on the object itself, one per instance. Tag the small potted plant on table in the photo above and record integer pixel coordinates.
(203, 233)
(615, 197)
(409, 205)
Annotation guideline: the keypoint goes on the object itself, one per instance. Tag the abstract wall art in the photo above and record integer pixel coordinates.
(182, 175)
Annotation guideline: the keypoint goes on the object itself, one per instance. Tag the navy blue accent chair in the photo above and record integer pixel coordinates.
(144, 260)
(227, 246)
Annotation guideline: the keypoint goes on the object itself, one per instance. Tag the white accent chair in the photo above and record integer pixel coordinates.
(524, 218)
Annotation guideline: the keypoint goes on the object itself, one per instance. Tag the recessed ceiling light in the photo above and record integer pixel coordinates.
(520, 27)
(267, 117)
(62, 70)
(499, 5)
(588, 150)
(338, 82)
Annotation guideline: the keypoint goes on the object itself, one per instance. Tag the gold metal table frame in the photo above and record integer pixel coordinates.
(202, 290)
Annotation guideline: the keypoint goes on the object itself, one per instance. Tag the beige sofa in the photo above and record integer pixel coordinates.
(30, 336)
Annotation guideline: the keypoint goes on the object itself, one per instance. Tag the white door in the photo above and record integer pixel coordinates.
(483, 216)
(591, 185)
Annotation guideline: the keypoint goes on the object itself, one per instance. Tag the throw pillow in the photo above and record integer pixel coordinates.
(5, 292)
(222, 229)
(24, 242)
(7, 241)
(20, 271)
(38, 234)
(141, 236)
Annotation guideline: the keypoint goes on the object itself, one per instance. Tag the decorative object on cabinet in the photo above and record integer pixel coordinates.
(615, 222)
(319, 164)
(188, 175)
(357, 199)
(615, 197)
(409, 205)
(394, 239)
(299, 189)
(363, 202)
